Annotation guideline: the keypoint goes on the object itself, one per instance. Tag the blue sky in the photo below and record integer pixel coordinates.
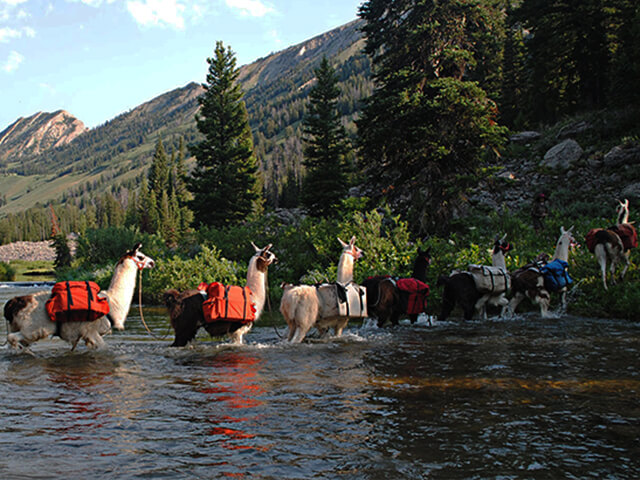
(99, 58)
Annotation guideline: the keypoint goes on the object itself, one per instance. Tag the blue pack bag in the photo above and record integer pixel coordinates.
(556, 275)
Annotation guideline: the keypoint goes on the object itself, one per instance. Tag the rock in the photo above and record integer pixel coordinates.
(525, 137)
(507, 175)
(631, 190)
(563, 155)
(622, 156)
(573, 129)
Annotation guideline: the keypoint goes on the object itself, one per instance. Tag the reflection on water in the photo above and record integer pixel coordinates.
(528, 398)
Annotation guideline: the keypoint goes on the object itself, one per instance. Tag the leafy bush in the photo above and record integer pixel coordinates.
(182, 274)
(7, 274)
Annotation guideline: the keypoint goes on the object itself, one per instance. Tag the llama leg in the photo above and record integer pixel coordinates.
(603, 271)
(625, 259)
(543, 299)
(340, 326)
(17, 340)
(515, 301)
(481, 306)
(300, 333)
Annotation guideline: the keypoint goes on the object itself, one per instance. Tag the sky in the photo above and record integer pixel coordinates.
(97, 59)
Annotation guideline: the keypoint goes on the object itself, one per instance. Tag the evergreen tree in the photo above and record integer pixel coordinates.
(225, 182)
(63, 252)
(325, 146)
(159, 171)
(428, 124)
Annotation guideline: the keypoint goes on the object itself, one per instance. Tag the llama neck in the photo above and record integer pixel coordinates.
(562, 251)
(120, 291)
(256, 282)
(623, 217)
(497, 259)
(345, 268)
(420, 270)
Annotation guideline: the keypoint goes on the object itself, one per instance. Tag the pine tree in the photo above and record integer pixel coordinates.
(325, 146)
(159, 171)
(63, 252)
(225, 181)
(429, 121)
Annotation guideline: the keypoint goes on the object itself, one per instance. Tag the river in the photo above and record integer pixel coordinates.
(506, 399)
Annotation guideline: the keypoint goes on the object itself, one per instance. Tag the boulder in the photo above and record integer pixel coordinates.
(573, 129)
(525, 137)
(563, 155)
(631, 190)
(618, 156)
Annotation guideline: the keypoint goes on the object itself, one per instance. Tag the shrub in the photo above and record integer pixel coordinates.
(182, 274)
(7, 273)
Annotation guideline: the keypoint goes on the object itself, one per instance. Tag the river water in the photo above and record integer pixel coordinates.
(524, 398)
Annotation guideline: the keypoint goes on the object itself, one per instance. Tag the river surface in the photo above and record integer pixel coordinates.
(506, 399)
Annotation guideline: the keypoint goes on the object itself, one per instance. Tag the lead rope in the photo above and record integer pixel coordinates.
(142, 315)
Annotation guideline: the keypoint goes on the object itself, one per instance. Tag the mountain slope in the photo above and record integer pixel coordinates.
(114, 155)
(37, 134)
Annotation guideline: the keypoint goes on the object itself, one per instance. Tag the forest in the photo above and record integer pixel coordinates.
(388, 147)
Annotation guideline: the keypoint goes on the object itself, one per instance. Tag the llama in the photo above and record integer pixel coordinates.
(479, 285)
(612, 245)
(529, 281)
(383, 295)
(186, 312)
(305, 306)
(29, 321)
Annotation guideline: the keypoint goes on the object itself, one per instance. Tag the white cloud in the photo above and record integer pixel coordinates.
(92, 3)
(13, 62)
(250, 8)
(12, 3)
(149, 13)
(7, 33)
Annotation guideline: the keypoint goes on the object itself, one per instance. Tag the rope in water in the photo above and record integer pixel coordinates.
(142, 315)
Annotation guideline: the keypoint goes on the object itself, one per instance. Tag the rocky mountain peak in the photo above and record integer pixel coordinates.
(38, 133)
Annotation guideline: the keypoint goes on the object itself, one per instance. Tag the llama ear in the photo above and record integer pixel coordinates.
(254, 247)
(504, 238)
(344, 245)
(570, 229)
(353, 241)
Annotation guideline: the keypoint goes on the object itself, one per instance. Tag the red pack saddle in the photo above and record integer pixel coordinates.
(413, 295)
(228, 303)
(76, 302)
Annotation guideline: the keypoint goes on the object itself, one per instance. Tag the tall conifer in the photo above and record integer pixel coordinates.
(225, 181)
(325, 145)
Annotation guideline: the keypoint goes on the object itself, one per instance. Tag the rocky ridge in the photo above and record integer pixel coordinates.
(38, 133)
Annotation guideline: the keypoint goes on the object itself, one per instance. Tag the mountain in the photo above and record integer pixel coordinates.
(113, 156)
(37, 134)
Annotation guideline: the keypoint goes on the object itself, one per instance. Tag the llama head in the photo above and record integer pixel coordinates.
(139, 258)
(264, 257)
(501, 245)
(424, 255)
(350, 248)
(566, 238)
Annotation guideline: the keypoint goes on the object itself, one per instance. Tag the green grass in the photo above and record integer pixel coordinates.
(41, 270)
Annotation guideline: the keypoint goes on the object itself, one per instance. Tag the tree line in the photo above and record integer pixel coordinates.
(448, 80)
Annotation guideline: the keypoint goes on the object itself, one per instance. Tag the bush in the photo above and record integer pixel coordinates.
(182, 274)
(7, 274)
